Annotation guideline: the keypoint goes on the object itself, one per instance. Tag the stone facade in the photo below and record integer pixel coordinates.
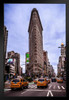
(15, 56)
(9, 69)
(45, 63)
(35, 44)
(47, 60)
(52, 71)
(20, 71)
(61, 67)
(5, 40)
(5, 47)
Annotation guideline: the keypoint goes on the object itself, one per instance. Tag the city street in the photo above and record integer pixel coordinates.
(54, 89)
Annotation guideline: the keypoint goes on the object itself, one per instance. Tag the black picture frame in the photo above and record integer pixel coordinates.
(2, 42)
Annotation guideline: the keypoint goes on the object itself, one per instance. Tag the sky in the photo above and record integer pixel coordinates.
(53, 19)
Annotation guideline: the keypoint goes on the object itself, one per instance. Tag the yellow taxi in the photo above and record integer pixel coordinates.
(59, 80)
(42, 82)
(18, 83)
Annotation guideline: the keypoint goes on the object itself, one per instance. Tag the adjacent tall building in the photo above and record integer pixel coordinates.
(35, 44)
(5, 40)
(5, 47)
(45, 62)
(15, 56)
(61, 67)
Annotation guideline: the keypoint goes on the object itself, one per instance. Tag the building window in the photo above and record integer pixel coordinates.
(35, 61)
(35, 50)
(35, 53)
(35, 47)
(35, 68)
(35, 35)
(35, 64)
(35, 44)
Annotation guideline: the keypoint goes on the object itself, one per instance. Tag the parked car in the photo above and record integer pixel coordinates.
(18, 83)
(53, 79)
(60, 80)
(42, 82)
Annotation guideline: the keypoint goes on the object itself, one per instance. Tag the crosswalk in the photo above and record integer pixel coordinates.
(49, 87)
(32, 86)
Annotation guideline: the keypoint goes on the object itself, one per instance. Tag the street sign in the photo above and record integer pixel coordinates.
(27, 58)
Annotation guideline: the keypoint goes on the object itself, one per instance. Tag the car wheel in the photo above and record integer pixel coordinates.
(27, 86)
(37, 86)
(46, 86)
(12, 89)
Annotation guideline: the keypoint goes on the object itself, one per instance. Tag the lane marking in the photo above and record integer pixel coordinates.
(54, 87)
(35, 86)
(49, 92)
(45, 90)
(58, 87)
(50, 86)
(24, 92)
(32, 86)
(62, 87)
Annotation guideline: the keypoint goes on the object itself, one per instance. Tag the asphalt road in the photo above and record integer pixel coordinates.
(54, 89)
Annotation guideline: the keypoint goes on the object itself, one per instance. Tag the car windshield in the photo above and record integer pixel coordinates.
(60, 78)
(41, 80)
(46, 77)
(15, 80)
